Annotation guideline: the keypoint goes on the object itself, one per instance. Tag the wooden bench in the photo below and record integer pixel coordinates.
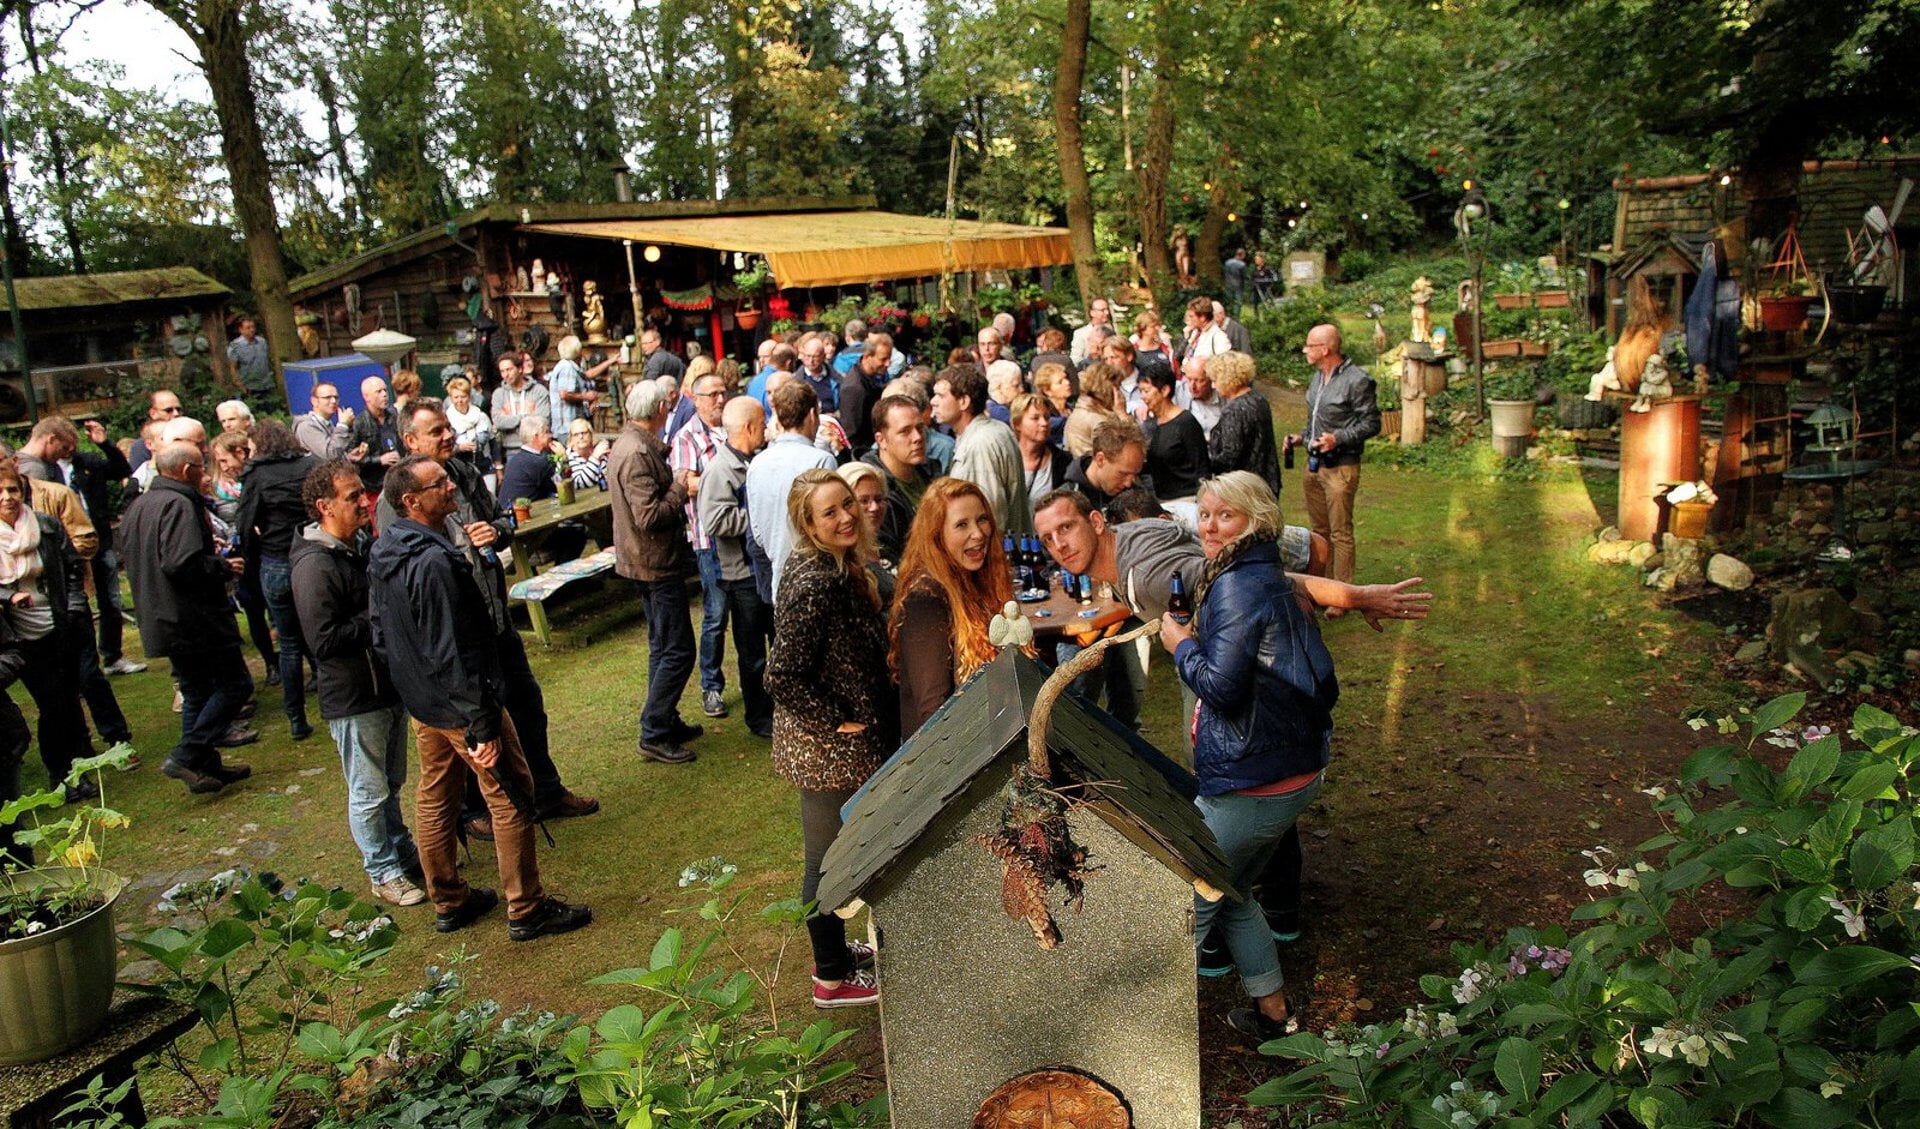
(535, 590)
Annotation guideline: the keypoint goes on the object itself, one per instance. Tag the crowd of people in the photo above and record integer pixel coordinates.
(844, 511)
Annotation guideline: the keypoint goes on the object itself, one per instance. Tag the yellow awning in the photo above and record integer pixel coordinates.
(831, 248)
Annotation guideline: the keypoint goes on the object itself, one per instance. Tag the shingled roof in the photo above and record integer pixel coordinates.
(1133, 787)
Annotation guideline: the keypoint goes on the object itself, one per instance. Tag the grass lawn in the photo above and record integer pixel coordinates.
(1475, 755)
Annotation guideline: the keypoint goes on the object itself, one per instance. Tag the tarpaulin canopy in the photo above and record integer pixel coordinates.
(831, 248)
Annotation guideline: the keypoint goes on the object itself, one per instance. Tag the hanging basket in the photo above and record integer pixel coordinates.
(1784, 315)
(746, 319)
(1856, 305)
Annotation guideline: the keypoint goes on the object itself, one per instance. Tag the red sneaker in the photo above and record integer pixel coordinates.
(860, 954)
(857, 990)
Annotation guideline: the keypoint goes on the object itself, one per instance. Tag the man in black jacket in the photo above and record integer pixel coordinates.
(272, 513)
(431, 627)
(180, 594)
(482, 533)
(357, 701)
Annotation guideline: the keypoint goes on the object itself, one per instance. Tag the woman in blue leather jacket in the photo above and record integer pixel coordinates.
(1264, 724)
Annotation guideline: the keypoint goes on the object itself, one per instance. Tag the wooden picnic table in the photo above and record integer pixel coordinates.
(546, 516)
(1061, 614)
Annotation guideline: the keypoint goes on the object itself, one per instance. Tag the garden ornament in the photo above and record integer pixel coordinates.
(1656, 383)
(1010, 628)
(1422, 321)
(1606, 380)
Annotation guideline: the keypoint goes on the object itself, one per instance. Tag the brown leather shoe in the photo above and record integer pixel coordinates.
(480, 827)
(570, 806)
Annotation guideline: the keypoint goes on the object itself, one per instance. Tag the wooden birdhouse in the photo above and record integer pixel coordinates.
(1003, 1003)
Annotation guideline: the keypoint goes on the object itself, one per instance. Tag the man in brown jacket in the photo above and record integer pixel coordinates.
(650, 548)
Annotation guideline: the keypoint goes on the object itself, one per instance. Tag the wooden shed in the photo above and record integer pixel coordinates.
(471, 289)
(89, 334)
(979, 1021)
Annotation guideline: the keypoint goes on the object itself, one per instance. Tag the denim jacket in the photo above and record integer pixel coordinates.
(1264, 679)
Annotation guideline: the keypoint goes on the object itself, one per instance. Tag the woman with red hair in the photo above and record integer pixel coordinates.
(953, 578)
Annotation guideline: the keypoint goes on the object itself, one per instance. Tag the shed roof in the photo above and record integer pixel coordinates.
(1131, 786)
(506, 212)
(76, 291)
(832, 248)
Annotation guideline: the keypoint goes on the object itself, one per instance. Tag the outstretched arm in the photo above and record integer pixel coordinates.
(1376, 602)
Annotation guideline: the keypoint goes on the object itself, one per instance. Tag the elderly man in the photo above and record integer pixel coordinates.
(692, 447)
(357, 700)
(1198, 395)
(985, 452)
(659, 362)
(722, 517)
(327, 430)
(374, 438)
(518, 397)
(1084, 347)
(855, 336)
(650, 548)
(1004, 382)
(817, 373)
(1342, 415)
(430, 625)
(233, 415)
(1237, 334)
(900, 451)
(180, 594)
(530, 471)
(990, 346)
(253, 362)
(796, 416)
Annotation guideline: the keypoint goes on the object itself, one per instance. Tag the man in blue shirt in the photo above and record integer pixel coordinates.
(796, 411)
(253, 363)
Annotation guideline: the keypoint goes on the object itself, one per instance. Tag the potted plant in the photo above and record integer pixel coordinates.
(1387, 397)
(562, 478)
(58, 954)
(522, 509)
(1032, 297)
(750, 282)
(1783, 307)
(1511, 397)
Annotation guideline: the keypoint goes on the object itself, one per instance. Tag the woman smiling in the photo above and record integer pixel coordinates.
(953, 578)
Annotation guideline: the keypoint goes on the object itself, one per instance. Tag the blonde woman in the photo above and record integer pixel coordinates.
(1243, 439)
(834, 713)
(472, 426)
(1100, 400)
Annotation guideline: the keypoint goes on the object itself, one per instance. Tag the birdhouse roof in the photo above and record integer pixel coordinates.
(1131, 785)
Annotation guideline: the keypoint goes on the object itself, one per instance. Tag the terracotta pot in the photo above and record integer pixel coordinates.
(1552, 299)
(1512, 301)
(1689, 519)
(522, 513)
(746, 319)
(1505, 347)
(1783, 315)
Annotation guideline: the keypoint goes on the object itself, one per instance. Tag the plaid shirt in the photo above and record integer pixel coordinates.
(693, 445)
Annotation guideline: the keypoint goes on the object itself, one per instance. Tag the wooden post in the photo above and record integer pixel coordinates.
(1657, 447)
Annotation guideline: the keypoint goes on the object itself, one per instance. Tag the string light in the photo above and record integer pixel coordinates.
(651, 253)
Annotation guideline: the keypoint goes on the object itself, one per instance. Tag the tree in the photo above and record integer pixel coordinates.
(219, 32)
(1073, 158)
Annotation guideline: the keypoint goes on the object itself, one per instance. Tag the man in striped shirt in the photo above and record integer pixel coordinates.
(693, 445)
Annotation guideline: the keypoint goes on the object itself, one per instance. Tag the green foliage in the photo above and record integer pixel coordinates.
(715, 1050)
(75, 839)
(1794, 1009)
(256, 960)
(1280, 330)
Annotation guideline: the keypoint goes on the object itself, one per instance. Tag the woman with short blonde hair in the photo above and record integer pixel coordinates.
(1099, 388)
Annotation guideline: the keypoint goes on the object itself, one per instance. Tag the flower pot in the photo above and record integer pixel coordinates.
(1784, 315)
(56, 986)
(522, 513)
(1534, 348)
(1552, 299)
(1512, 427)
(1580, 414)
(1512, 301)
(746, 319)
(1689, 519)
(566, 491)
(1504, 347)
(1390, 423)
(1855, 305)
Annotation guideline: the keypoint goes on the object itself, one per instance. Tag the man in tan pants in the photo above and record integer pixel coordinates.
(1341, 416)
(431, 625)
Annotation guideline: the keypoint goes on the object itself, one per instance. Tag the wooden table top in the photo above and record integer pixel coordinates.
(548, 512)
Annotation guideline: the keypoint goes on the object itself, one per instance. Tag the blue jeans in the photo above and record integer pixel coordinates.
(1249, 830)
(106, 588)
(373, 754)
(214, 684)
(713, 620)
(669, 656)
(276, 588)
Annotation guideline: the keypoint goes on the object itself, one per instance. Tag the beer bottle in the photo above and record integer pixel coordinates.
(1178, 606)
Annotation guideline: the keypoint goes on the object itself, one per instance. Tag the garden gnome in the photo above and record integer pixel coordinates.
(1656, 383)
(1422, 321)
(1606, 380)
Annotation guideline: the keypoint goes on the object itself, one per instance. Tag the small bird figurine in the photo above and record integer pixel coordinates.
(1010, 628)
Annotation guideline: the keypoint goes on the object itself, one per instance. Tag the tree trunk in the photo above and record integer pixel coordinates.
(17, 250)
(1208, 246)
(1073, 158)
(355, 200)
(58, 158)
(1156, 162)
(220, 36)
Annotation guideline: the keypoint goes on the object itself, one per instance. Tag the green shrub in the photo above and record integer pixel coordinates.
(1280, 330)
(1797, 1009)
